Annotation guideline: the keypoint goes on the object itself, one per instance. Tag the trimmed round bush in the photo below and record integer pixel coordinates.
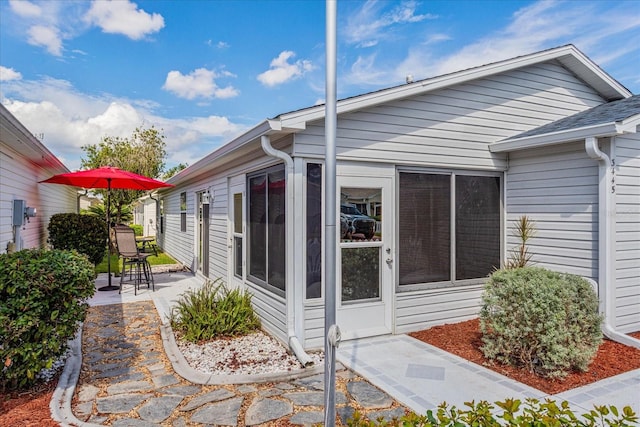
(86, 234)
(42, 300)
(542, 320)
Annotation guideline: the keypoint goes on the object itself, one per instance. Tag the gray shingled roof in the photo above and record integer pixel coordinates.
(610, 112)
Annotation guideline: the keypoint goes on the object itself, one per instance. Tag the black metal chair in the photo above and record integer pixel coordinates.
(139, 267)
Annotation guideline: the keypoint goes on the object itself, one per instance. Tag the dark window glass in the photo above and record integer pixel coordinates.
(258, 227)
(425, 235)
(314, 230)
(477, 226)
(266, 233)
(276, 253)
(360, 273)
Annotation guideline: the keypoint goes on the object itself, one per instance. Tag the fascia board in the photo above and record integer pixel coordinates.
(597, 131)
(23, 142)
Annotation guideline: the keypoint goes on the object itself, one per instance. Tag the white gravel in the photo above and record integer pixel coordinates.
(256, 353)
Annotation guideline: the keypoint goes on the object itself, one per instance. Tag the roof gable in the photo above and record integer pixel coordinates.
(569, 56)
(612, 118)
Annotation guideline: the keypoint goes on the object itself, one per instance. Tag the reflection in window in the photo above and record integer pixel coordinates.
(266, 233)
(314, 230)
(360, 210)
(183, 212)
(360, 273)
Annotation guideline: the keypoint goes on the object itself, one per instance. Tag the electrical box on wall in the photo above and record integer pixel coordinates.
(19, 207)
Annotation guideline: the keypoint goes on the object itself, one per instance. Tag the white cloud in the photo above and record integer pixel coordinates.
(25, 8)
(124, 17)
(282, 70)
(47, 37)
(371, 24)
(200, 83)
(8, 74)
(70, 119)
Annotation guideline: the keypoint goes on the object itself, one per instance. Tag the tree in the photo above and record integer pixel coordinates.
(143, 153)
(174, 170)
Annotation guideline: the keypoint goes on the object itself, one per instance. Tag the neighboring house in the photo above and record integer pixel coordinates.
(144, 214)
(445, 165)
(24, 161)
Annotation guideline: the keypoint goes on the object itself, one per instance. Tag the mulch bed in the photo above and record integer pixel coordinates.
(464, 339)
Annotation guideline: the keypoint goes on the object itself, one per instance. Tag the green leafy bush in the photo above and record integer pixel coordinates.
(86, 234)
(545, 321)
(138, 229)
(42, 296)
(214, 311)
(512, 412)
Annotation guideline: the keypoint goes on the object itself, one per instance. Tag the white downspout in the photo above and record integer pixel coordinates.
(606, 261)
(294, 342)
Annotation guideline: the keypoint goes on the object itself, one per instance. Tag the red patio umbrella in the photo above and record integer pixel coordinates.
(107, 177)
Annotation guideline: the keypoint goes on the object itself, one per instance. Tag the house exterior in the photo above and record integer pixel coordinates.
(24, 161)
(144, 214)
(440, 168)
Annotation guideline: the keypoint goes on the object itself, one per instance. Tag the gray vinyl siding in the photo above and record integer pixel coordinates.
(177, 243)
(314, 326)
(627, 154)
(452, 127)
(557, 188)
(19, 181)
(418, 310)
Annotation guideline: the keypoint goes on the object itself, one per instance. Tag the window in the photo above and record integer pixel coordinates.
(445, 235)
(237, 235)
(266, 234)
(314, 230)
(183, 212)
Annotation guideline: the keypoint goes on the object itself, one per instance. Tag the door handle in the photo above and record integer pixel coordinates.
(389, 260)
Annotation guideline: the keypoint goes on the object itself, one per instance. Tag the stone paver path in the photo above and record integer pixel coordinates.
(127, 380)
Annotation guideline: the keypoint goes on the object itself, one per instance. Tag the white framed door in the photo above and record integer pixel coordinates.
(365, 256)
(236, 233)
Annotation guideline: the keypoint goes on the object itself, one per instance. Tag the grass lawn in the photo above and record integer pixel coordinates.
(116, 264)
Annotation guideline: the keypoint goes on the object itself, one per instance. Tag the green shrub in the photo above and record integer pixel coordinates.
(214, 311)
(545, 321)
(86, 234)
(532, 413)
(138, 229)
(42, 294)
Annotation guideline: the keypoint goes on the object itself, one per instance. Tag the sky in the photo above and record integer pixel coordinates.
(204, 71)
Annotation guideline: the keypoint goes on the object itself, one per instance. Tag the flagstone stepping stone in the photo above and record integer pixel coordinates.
(164, 380)
(345, 412)
(87, 392)
(181, 390)
(368, 396)
(315, 382)
(265, 410)
(387, 414)
(312, 398)
(212, 396)
(133, 422)
(310, 418)
(219, 413)
(120, 404)
(158, 409)
(129, 387)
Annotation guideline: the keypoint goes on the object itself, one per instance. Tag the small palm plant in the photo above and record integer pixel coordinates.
(524, 230)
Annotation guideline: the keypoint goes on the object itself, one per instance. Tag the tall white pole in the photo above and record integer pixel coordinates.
(330, 214)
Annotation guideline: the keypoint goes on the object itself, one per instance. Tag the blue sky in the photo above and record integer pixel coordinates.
(205, 71)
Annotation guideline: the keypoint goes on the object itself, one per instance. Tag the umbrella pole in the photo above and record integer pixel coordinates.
(108, 208)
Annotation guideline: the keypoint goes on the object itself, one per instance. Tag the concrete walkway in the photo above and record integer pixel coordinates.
(422, 376)
(133, 375)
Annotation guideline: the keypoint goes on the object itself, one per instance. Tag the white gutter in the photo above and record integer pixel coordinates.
(606, 257)
(294, 342)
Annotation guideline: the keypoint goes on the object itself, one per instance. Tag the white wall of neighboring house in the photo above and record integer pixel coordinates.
(24, 161)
